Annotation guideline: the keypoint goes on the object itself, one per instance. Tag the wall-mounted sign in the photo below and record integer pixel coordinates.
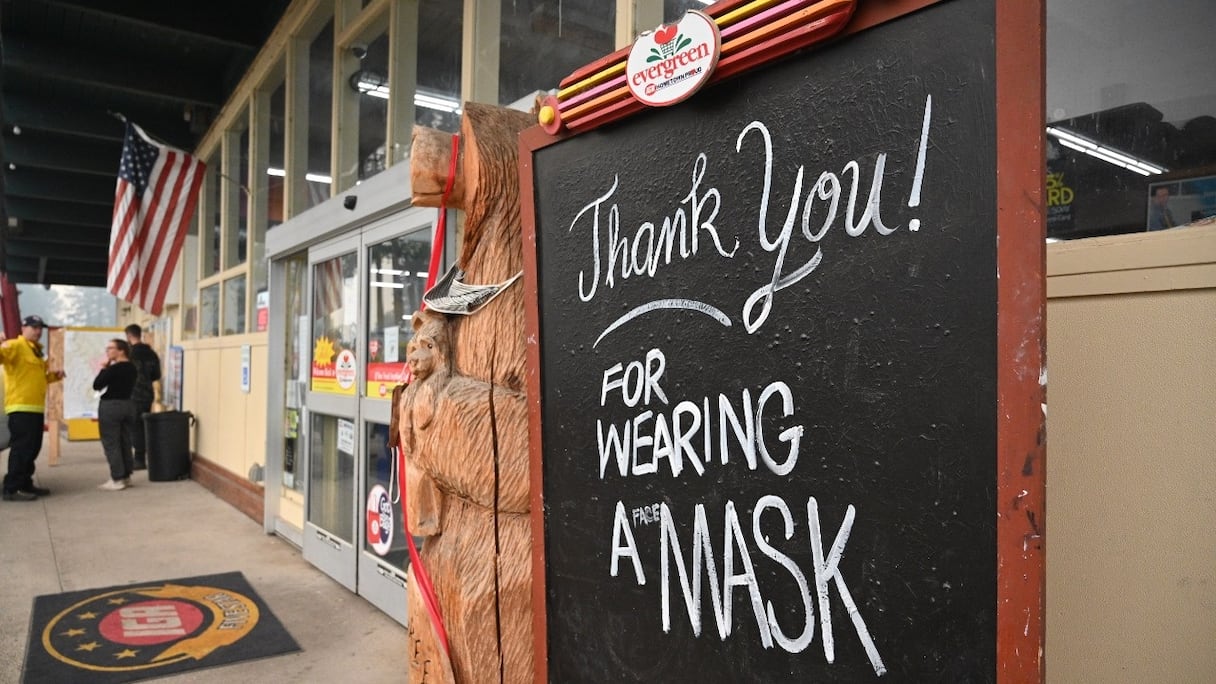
(246, 370)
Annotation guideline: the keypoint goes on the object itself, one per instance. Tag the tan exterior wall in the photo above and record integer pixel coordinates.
(231, 429)
(1131, 475)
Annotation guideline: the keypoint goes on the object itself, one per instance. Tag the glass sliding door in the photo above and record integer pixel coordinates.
(397, 253)
(332, 409)
(363, 289)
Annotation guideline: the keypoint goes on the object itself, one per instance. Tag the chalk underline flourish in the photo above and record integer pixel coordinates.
(689, 304)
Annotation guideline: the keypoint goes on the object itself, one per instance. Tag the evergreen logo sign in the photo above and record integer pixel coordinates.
(672, 62)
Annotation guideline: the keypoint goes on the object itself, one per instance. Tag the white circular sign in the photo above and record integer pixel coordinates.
(379, 520)
(670, 63)
(344, 369)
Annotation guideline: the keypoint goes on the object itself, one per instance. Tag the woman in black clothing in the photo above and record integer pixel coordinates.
(116, 413)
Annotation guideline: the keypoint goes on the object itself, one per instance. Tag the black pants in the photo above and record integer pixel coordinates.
(25, 441)
(116, 421)
(138, 437)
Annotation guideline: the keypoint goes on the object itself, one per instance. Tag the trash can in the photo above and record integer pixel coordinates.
(168, 441)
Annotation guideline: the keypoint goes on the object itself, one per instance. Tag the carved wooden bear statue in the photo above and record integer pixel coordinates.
(463, 421)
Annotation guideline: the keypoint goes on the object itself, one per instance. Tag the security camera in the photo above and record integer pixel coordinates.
(359, 50)
(350, 201)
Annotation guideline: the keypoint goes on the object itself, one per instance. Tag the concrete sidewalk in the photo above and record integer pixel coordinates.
(81, 537)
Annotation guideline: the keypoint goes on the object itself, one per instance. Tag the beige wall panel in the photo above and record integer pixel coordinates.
(229, 430)
(202, 398)
(1131, 508)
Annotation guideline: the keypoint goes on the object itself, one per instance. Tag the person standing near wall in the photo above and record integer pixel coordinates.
(116, 413)
(26, 376)
(147, 363)
(1159, 215)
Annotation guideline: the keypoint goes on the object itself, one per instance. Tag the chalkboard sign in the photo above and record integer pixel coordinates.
(765, 336)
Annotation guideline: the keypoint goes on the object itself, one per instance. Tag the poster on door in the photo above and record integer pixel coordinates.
(333, 369)
(383, 377)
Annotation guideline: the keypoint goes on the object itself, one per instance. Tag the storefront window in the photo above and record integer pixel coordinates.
(335, 319)
(543, 41)
(320, 114)
(275, 171)
(237, 228)
(211, 217)
(437, 103)
(209, 311)
(234, 305)
(1131, 111)
(297, 357)
(371, 83)
(397, 272)
(189, 262)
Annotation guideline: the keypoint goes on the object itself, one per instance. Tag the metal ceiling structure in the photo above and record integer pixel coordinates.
(67, 68)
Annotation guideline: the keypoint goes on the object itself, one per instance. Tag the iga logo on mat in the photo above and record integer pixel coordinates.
(148, 627)
(672, 62)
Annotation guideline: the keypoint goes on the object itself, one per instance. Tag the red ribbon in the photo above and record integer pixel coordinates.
(425, 587)
(441, 225)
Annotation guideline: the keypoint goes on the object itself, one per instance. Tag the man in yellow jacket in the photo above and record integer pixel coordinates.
(26, 376)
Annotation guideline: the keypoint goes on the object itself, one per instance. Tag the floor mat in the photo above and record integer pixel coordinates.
(150, 629)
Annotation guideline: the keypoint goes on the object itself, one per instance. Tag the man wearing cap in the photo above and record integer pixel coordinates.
(26, 376)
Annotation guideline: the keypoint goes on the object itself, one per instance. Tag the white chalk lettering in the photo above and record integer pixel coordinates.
(629, 549)
(691, 574)
(814, 211)
(637, 445)
(641, 255)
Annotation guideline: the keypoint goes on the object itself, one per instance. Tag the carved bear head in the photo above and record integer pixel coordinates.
(428, 351)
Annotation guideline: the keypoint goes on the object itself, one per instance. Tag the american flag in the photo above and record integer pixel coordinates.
(153, 203)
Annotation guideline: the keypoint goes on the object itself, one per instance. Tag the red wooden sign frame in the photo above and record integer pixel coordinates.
(1021, 315)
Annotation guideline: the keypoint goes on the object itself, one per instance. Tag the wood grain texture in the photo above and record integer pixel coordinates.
(463, 421)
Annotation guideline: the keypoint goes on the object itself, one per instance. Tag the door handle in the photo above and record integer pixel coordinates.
(391, 576)
(329, 540)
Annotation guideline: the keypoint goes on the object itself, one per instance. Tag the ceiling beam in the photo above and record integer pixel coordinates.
(41, 232)
(149, 79)
(30, 265)
(65, 277)
(21, 248)
(80, 155)
(63, 186)
(36, 113)
(205, 28)
(49, 211)
(89, 119)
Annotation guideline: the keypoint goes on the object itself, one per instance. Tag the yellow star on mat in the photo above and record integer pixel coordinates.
(72, 632)
(89, 646)
(86, 616)
(125, 654)
(116, 601)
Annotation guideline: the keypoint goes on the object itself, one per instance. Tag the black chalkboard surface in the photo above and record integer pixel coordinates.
(768, 362)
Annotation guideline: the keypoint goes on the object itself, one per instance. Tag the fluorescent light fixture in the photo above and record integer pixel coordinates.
(396, 286)
(390, 271)
(314, 177)
(1107, 154)
(421, 99)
